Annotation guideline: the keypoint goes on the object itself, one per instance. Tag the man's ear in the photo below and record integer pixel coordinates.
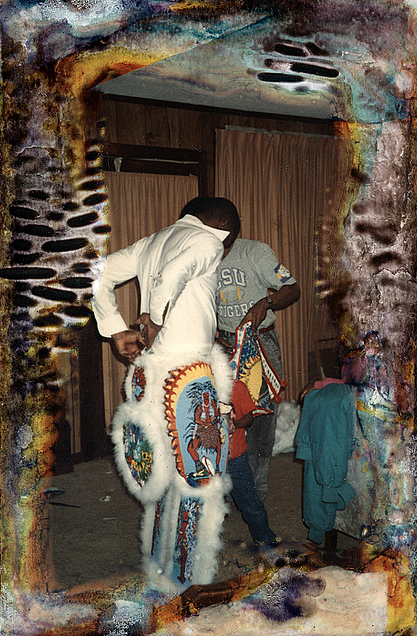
(223, 224)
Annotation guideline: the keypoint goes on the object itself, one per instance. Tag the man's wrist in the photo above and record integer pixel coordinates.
(156, 325)
(118, 334)
(269, 302)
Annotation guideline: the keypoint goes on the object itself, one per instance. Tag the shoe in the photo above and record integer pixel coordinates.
(201, 474)
(274, 543)
(192, 479)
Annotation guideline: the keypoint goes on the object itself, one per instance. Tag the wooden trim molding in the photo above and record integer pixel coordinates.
(157, 160)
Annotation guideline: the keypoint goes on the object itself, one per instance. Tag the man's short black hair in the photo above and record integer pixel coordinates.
(215, 209)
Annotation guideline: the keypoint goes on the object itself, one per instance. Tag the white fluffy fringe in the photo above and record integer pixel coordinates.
(204, 558)
(286, 425)
(208, 532)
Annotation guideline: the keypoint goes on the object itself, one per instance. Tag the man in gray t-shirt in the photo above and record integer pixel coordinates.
(251, 285)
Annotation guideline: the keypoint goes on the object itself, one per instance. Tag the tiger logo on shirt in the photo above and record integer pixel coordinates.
(282, 273)
(232, 290)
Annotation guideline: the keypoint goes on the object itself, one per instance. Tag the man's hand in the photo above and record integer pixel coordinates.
(149, 331)
(128, 343)
(227, 348)
(280, 299)
(245, 421)
(256, 314)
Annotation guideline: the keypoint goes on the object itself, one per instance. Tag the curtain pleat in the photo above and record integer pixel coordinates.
(282, 185)
(140, 204)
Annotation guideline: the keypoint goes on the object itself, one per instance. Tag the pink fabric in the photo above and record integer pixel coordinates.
(319, 384)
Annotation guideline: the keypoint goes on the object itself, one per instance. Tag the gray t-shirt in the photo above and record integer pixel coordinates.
(244, 277)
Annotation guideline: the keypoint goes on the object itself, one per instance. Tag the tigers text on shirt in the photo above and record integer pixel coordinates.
(244, 277)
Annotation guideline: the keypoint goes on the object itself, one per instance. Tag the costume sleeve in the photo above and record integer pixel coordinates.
(119, 267)
(271, 272)
(199, 258)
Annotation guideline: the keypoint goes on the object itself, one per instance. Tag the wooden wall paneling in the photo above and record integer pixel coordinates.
(203, 176)
(131, 123)
(181, 127)
(109, 112)
(263, 123)
(242, 121)
(209, 123)
(180, 124)
(157, 126)
(191, 134)
(173, 139)
(233, 120)
(176, 124)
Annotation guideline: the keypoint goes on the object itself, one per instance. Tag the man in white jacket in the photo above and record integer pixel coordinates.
(175, 366)
(176, 268)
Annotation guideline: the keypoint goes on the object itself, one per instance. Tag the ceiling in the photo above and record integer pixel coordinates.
(253, 69)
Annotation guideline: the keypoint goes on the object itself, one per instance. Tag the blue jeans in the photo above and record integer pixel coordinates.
(247, 501)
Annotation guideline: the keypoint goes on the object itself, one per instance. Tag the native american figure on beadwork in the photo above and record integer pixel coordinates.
(206, 436)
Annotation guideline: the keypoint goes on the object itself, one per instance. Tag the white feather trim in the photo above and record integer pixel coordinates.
(214, 509)
(222, 373)
(163, 464)
(162, 561)
(286, 424)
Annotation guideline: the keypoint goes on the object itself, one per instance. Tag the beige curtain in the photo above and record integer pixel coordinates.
(282, 185)
(140, 204)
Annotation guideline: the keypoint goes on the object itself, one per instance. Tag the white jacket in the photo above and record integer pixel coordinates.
(176, 267)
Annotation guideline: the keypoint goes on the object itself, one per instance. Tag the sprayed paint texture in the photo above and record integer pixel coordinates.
(55, 226)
